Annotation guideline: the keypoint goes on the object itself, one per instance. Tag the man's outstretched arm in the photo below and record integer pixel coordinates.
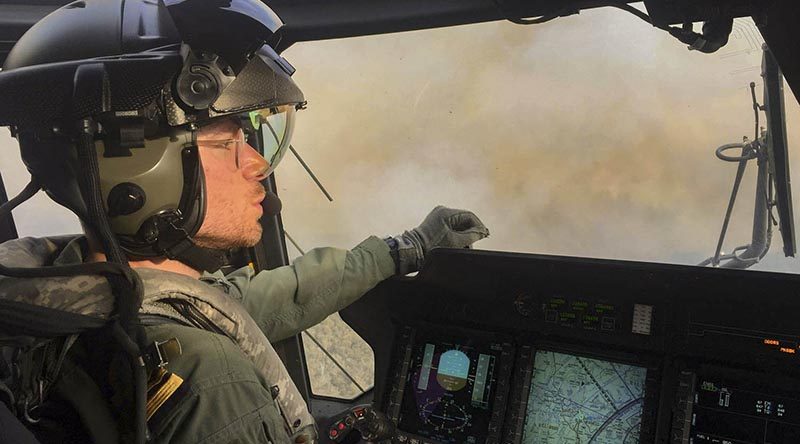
(289, 299)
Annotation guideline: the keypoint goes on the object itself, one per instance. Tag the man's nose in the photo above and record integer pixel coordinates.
(253, 165)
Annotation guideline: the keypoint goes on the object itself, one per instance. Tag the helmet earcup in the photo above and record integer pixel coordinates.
(162, 179)
(125, 198)
(169, 231)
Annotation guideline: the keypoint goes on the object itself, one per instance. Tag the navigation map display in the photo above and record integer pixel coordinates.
(581, 400)
(450, 390)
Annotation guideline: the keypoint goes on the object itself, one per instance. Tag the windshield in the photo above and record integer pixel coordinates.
(592, 135)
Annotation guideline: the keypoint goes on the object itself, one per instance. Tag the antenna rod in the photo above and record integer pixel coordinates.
(293, 242)
(311, 173)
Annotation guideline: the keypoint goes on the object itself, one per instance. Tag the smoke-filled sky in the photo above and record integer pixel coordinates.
(592, 135)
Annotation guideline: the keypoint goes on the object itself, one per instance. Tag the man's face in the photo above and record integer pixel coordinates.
(233, 193)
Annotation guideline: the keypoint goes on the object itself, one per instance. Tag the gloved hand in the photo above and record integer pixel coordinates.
(443, 227)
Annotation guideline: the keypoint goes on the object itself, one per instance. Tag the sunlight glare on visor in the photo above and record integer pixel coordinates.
(276, 127)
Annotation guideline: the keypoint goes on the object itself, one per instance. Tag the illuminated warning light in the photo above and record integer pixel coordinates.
(772, 342)
(791, 351)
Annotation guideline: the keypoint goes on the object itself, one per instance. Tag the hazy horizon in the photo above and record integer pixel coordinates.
(592, 135)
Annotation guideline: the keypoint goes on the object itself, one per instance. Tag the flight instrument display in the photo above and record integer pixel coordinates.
(730, 411)
(575, 400)
(450, 390)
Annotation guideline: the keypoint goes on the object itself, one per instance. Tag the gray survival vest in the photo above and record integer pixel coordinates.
(90, 297)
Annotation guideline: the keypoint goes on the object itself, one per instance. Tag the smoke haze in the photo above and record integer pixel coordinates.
(592, 135)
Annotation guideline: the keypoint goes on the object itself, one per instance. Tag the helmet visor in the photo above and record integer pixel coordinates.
(264, 83)
(272, 128)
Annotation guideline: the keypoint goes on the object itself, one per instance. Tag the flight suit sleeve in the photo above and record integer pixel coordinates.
(289, 299)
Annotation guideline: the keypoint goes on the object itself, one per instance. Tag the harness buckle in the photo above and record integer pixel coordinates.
(158, 354)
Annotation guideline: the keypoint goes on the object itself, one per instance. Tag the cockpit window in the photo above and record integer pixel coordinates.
(593, 136)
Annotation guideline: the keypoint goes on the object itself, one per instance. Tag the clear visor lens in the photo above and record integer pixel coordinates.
(273, 127)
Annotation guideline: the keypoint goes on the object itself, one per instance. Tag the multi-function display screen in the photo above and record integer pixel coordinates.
(581, 400)
(727, 411)
(449, 391)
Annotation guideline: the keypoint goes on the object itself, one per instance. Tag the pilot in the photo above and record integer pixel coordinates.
(148, 120)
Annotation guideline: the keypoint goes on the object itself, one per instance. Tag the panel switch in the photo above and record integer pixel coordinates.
(642, 319)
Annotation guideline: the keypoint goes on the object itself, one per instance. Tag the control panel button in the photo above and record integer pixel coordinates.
(608, 324)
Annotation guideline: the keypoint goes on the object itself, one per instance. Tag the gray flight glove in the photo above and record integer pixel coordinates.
(443, 227)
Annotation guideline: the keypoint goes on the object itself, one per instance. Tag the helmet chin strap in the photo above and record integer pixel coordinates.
(202, 259)
(174, 242)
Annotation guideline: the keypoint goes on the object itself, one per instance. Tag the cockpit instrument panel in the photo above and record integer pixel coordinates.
(501, 348)
(450, 388)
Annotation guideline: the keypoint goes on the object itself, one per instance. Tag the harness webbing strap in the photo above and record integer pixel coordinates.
(21, 319)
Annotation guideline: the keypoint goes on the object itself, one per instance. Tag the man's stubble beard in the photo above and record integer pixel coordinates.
(222, 231)
(228, 237)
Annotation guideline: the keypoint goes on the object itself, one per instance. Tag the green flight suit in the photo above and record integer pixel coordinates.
(224, 398)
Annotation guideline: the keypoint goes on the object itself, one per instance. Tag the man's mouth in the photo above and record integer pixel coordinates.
(260, 196)
(258, 202)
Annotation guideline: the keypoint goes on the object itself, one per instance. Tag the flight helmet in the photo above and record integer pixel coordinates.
(141, 77)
